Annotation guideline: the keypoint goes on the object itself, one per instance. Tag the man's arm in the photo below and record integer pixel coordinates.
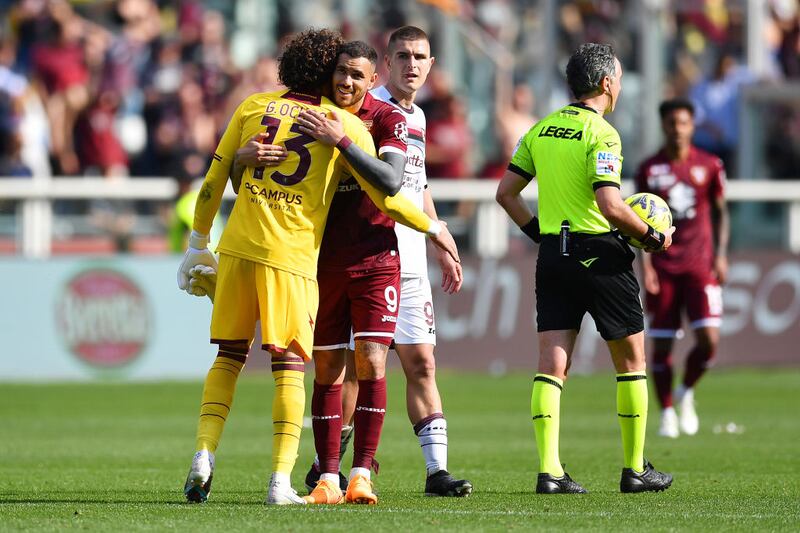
(651, 284)
(256, 154)
(385, 173)
(452, 276)
(208, 201)
(721, 223)
(618, 213)
(509, 196)
(402, 210)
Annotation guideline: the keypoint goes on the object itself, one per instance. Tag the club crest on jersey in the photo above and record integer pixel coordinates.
(368, 124)
(698, 174)
(401, 132)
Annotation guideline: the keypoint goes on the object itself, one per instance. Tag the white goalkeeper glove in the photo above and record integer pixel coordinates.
(203, 282)
(196, 254)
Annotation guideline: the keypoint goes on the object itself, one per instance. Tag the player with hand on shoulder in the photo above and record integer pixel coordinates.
(359, 277)
(690, 274)
(584, 266)
(269, 249)
(409, 61)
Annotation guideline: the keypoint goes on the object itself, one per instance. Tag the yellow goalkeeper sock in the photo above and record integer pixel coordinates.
(632, 414)
(218, 396)
(545, 411)
(287, 412)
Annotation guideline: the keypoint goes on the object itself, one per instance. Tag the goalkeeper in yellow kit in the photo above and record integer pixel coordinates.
(268, 251)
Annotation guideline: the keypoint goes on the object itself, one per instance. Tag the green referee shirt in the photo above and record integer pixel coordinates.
(572, 153)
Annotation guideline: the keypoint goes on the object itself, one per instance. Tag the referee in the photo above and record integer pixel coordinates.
(584, 265)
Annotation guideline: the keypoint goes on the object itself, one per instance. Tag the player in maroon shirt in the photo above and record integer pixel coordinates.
(689, 275)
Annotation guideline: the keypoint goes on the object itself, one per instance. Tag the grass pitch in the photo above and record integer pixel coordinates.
(114, 457)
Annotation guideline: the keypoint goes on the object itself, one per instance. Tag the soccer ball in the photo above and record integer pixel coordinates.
(653, 210)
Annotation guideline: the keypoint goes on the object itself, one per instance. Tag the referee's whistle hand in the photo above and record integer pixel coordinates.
(667, 239)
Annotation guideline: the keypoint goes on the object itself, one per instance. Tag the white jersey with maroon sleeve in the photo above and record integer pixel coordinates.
(411, 244)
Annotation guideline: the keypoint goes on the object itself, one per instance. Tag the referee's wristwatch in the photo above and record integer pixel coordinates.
(653, 239)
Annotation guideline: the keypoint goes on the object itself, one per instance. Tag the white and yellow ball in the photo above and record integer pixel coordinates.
(652, 209)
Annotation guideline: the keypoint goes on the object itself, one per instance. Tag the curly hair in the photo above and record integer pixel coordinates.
(309, 59)
(587, 67)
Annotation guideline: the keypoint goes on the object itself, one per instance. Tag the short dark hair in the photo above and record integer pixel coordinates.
(587, 67)
(356, 49)
(668, 106)
(407, 33)
(309, 59)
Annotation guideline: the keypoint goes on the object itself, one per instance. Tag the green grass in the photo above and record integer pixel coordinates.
(114, 457)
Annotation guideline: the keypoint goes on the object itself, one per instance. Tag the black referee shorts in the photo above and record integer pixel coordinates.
(597, 277)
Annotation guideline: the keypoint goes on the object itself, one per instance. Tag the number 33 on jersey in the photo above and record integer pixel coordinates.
(280, 212)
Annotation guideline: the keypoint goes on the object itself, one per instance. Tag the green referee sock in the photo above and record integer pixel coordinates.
(632, 415)
(545, 409)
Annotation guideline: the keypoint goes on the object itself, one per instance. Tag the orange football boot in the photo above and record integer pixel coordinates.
(359, 490)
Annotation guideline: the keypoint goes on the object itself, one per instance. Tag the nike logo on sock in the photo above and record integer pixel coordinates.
(627, 416)
(546, 416)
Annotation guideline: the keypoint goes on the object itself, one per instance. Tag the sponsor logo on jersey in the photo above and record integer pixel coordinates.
(276, 196)
(682, 200)
(348, 187)
(388, 318)
(104, 318)
(661, 181)
(607, 164)
(561, 133)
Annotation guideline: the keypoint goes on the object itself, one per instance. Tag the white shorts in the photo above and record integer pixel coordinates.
(415, 321)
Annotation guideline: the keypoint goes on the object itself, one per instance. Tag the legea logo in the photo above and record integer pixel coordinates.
(103, 318)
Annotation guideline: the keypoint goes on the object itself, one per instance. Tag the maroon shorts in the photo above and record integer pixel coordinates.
(365, 302)
(699, 294)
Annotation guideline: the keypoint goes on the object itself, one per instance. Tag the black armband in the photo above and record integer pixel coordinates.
(531, 229)
(652, 239)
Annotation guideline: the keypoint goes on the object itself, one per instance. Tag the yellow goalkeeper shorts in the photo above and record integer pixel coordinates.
(285, 303)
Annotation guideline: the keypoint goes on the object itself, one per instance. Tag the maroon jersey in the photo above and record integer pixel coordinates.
(358, 235)
(690, 188)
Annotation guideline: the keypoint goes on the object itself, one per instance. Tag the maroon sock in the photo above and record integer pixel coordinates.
(368, 421)
(662, 377)
(696, 364)
(326, 420)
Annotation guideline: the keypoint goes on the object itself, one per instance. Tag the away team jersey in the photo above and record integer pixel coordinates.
(413, 249)
(690, 188)
(279, 215)
(360, 236)
(572, 153)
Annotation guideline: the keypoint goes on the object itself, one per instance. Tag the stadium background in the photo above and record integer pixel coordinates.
(111, 110)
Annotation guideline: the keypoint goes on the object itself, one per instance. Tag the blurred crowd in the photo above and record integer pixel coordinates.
(143, 87)
(118, 88)
(139, 88)
(705, 60)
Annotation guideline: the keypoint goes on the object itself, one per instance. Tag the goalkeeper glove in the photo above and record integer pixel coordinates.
(203, 282)
(196, 254)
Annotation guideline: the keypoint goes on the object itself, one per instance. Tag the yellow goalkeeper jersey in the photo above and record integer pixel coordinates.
(279, 215)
